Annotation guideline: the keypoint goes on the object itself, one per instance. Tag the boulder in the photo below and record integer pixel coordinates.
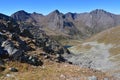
(2, 38)
(10, 48)
(106, 79)
(14, 36)
(26, 33)
(30, 60)
(3, 53)
(92, 78)
(12, 27)
(1, 62)
(13, 69)
(2, 68)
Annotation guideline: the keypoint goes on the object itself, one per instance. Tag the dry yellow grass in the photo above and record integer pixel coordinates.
(52, 71)
(110, 36)
(71, 42)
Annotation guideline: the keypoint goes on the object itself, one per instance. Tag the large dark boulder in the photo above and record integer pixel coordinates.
(19, 55)
(12, 27)
(10, 48)
(3, 53)
(26, 33)
(30, 60)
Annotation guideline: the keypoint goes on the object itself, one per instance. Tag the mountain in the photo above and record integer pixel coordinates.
(71, 25)
(101, 52)
(20, 44)
(21, 15)
(28, 53)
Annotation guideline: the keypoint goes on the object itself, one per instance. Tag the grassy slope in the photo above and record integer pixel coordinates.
(106, 42)
(110, 36)
(51, 71)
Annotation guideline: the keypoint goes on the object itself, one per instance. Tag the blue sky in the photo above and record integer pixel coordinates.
(46, 6)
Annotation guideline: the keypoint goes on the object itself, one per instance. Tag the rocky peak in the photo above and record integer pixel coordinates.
(56, 11)
(70, 15)
(20, 15)
(101, 12)
(34, 13)
(97, 11)
(5, 17)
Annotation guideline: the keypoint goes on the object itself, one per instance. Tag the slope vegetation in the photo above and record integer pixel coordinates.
(102, 52)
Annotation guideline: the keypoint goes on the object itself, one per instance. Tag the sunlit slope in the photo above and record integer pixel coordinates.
(102, 51)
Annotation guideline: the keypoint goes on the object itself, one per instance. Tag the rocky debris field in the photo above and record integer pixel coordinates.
(101, 52)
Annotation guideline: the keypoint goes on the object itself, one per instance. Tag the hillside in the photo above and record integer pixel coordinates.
(102, 52)
(52, 71)
(30, 54)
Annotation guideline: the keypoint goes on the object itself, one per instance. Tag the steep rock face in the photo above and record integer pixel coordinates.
(21, 15)
(58, 23)
(55, 20)
(98, 20)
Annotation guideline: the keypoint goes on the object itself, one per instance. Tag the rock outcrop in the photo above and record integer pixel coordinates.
(17, 43)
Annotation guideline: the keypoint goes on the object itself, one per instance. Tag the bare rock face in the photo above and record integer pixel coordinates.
(21, 15)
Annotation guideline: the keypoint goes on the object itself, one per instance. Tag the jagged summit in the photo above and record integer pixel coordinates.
(22, 12)
(20, 15)
(56, 11)
(3, 16)
(81, 25)
(98, 10)
(101, 12)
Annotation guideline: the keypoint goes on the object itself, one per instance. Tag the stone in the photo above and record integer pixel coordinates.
(14, 36)
(106, 79)
(2, 38)
(61, 59)
(62, 76)
(13, 69)
(26, 33)
(1, 62)
(10, 48)
(3, 53)
(34, 61)
(92, 78)
(30, 60)
(2, 68)
(12, 27)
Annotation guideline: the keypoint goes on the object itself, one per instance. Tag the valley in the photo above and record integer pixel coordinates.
(57, 46)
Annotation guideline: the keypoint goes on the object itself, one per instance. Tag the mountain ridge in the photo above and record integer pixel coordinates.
(35, 52)
(73, 25)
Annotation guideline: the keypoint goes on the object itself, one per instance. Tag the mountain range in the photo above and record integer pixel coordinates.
(70, 25)
(27, 46)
